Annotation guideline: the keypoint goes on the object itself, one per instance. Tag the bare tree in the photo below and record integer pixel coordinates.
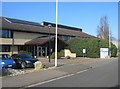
(103, 28)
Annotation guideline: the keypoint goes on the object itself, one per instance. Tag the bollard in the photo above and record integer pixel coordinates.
(38, 65)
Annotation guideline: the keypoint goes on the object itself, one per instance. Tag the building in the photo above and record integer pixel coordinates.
(37, 38)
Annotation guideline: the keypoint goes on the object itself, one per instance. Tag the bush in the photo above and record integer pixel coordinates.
(67, 57)
(53, 55)
(113, 51)
(4, 72)
(26, 52)
(92, 46)
(62, 54)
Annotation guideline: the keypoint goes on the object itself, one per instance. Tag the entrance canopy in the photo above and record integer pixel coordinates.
(44, 40)
(44, 46)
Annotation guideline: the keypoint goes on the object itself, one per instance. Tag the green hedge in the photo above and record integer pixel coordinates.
(53, 55)
(26, 52)
(59, 54)
(92, 46)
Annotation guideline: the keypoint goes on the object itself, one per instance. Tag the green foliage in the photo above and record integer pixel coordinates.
(113, 51)
(62, 54)
(26, 52)
(59, 55)
(92, 46)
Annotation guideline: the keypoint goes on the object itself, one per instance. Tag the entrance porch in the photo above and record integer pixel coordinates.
(43, 46)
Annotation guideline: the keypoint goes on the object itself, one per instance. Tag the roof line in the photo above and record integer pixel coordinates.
(7, 20)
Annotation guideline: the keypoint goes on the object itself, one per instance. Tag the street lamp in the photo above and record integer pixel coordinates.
(99, 45)
(56, 33)
(109, 43)
(49, 25)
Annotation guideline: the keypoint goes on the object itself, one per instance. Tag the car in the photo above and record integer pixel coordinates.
(24, 60)
(6, 61)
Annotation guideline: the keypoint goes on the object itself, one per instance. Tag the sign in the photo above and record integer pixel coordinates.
(84, 50)
(104, 52)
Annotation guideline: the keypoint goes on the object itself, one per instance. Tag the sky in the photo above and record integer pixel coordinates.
(85, 15)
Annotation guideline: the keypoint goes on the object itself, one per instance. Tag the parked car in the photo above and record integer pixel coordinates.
(6, 61)
(24, 60)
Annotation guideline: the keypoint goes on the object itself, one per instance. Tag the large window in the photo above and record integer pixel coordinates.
(5, 34)
(66, 38)
(4, 48)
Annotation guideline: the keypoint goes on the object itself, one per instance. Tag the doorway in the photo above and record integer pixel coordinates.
(41, 51)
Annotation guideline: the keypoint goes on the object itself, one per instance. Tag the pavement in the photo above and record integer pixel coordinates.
(65, 67)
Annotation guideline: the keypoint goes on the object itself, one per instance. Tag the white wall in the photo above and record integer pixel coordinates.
(6, 41)
(68, 53)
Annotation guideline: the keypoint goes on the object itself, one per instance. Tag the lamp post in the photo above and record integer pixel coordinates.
(99, 45)
(109, 43)
(56, 33)
(49, 25)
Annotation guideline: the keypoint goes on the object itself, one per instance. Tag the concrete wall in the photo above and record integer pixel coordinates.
(68, 53)
(6, 41)
(21, 37)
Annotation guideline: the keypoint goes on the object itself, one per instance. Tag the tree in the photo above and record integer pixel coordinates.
(103, 28)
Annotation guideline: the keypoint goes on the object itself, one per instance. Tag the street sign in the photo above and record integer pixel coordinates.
(104, 52)
(84, 50)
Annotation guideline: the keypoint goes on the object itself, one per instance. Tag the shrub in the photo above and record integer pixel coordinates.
(4, 72)
(113, 51)
(92, 46)
(62, 54)
(53, 55)
(26, 52)
(67, 57)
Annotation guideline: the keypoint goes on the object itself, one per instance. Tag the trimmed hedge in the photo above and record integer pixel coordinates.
(26, 52)
(92, 46)
(59, 54)
(53, 55)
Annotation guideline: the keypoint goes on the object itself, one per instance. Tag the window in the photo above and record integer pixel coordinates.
(4, 48)
(5, 34)
(65, 38)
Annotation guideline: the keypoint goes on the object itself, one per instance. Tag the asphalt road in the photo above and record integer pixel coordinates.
(105, 75)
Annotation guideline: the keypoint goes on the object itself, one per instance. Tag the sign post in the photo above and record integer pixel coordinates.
(84, 52)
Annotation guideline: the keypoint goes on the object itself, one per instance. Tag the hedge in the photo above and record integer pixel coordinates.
(26, 52)
(59, 54)
(92, 46)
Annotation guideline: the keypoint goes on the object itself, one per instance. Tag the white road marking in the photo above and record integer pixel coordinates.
(82, 71)
(50, 80)
(55, 79)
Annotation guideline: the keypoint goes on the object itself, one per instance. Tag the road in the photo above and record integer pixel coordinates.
(104, 75)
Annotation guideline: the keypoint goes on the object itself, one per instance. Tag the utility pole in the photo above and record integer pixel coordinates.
(56, 33)
(109, 43)
(49, 42)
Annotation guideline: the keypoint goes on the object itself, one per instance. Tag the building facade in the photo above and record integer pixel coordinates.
(17, 35)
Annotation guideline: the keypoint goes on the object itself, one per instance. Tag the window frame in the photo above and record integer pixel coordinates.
(4, 48)
(6, 33)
